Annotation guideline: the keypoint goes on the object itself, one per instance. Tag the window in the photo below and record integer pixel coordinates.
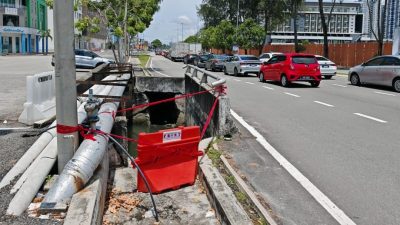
(274, 59)
(281, 58)
(9, 20)
(391, 61)
(304, 59)
(320, 58)
(374, 62)
(248, 58)
(264, 56)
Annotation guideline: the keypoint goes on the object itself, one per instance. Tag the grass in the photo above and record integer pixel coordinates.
(214, 155)
(143, 60)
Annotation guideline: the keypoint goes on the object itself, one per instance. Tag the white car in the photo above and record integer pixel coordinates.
(265, 57)
(327, 67)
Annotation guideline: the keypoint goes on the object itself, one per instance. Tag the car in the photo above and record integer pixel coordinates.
(87, 59)
(215, 62)
(242, 65)
(328, 68)
(267, 56)
(381, 70)
(200, 60)
(189, 58)
(291, 67)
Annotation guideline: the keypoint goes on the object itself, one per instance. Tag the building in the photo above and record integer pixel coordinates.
(392, 18)
(346, 23)
(21, 23)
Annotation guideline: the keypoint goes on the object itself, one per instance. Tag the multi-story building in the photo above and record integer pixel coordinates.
(392, 18)
(346, 23)
(21, 23)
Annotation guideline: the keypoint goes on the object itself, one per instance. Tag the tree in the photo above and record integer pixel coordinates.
(325, 24)
(272, 13)
(192, 39)
(45, 34)
(379, 31)
(156, 43)
(224, 35)
(207, 37)
(250, 35)
(293, 7)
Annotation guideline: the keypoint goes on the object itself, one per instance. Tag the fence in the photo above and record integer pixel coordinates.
(344, 55)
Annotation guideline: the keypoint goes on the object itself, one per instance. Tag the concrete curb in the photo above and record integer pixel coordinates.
(250, 194)
(87, 206)
(228, 209)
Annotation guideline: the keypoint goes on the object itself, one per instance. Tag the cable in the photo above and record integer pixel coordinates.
(140, 172)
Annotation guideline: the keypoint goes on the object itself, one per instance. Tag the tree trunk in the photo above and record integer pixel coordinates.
(324, 28)
(296, 41)
(126, 30)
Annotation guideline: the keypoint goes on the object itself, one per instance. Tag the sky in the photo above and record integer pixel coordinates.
(167, 22)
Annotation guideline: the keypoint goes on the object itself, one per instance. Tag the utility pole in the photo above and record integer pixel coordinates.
(65, 78)
(182, 31)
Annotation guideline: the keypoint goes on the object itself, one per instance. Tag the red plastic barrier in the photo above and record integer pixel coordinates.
(168, 158)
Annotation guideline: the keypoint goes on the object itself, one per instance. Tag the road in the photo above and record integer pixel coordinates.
(343, 138)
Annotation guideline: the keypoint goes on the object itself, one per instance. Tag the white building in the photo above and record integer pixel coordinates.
(346, 23)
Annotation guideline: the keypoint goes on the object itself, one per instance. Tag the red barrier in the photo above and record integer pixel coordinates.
(168, 158)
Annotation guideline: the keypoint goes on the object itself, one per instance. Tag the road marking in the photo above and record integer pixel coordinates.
(151, 66)
(383, 93)
(370, 117)
(237, 80)
(325, 104)
(249, 83)
(297, 96)
(320, 197)
(339, 85)
(270, 88)
(147, 63)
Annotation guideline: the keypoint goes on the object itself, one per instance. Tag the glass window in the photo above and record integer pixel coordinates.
(375, 62)
(320, 58)
(274, 59)
(391, 61)
(264, 56)
(281, 58)
(304, 59)
(248, 58)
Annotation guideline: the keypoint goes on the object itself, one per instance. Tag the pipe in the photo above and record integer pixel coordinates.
(37, 147)
(80, 168)
(23, 198)
(81, 117)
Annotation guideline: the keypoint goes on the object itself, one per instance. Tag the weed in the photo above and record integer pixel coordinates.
(241, 197)
(214, 155)
(143, 60)
(230, 180)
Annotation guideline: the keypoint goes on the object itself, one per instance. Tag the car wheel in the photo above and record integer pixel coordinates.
(396, 84)
(284, 81)
(355, 79)
(225, 72)
(261, 77)
(315, 83)
(235, 72)
(328, 77)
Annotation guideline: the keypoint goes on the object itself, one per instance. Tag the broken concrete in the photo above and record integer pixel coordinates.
(160, 84)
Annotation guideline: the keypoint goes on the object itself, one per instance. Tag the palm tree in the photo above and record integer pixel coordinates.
(46, 34)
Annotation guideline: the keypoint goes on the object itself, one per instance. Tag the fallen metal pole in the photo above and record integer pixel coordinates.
(80, 168)
(65, 79)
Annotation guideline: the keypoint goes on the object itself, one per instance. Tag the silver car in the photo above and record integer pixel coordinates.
(382, 70)
(87, 59)
(242, 64)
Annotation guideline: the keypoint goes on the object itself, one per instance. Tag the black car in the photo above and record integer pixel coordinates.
(189, 58)
(200, 60)
(216, 62)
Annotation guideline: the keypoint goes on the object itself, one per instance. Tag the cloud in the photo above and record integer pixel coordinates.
(184, 19)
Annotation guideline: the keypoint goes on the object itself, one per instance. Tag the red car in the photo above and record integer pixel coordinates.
(290, 67)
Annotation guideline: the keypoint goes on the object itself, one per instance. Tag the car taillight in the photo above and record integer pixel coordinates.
(292, 67)
(317, 69)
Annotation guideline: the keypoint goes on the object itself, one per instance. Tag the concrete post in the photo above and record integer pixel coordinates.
(65, 79)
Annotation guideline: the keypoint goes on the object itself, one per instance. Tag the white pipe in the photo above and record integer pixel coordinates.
(37, 147)
(87, 158)
(23, 198)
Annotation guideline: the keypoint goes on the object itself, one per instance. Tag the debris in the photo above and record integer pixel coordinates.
(126, 201)
(148, 214)
(210, 213)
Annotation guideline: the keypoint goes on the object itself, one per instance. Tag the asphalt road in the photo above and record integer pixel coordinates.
(343, 138)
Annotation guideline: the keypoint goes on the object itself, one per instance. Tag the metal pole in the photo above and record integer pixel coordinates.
(65, 79)
(182, 32)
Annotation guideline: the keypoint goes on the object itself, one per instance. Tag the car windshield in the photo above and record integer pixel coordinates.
(303, 59)
(220, 57)
(320, 58)
(204, 57)
(248, 58)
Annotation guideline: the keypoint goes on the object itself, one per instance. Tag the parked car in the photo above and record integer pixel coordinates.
(381, 70)
(215, 62)
(242, 64)
(189, 58)
(267, 56)
(328, 68)
(200, 60)
(87, 59)
(287, 68)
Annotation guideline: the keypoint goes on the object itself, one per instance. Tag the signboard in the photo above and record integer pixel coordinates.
(11, 11)
(25, 30)
(169, 136)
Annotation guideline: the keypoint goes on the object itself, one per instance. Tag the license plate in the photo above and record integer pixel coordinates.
(305, 78)
(325, 66)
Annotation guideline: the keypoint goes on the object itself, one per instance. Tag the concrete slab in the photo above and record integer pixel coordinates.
(160, 84)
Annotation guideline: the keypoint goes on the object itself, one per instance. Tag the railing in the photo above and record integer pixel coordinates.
(192, 71)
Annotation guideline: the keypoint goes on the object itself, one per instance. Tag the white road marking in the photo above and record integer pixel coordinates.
(320, 197)
(339, 85)
(148, 61)
(383, 93)
(370, 117)
(151, 66)
(297, 96)
(325, 104)
(237, 80)
(249, 83)
(270, 88)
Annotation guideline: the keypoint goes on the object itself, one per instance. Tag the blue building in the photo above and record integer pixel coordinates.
(392, 18)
